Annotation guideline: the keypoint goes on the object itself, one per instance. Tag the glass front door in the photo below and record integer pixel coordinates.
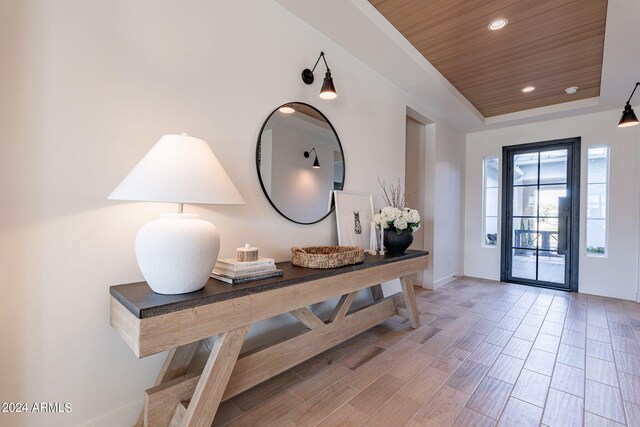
(540, 207)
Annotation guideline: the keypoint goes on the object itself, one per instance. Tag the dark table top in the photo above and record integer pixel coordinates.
(140, 300)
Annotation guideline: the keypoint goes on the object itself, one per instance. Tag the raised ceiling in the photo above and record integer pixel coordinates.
(548, 44)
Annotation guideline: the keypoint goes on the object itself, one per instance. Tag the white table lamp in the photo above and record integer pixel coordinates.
(177, 252)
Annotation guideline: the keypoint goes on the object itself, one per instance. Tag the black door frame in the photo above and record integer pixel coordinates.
(573, 165)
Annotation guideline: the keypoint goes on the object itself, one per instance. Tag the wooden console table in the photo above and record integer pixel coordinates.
(150, 323)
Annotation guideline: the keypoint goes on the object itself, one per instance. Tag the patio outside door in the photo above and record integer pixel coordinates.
(540, 199)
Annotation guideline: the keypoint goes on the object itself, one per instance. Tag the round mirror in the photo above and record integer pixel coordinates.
(300, 162)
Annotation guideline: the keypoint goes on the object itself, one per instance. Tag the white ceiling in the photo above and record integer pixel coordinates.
(360, 29)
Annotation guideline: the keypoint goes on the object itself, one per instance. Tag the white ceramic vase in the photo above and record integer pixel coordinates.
(177, 252)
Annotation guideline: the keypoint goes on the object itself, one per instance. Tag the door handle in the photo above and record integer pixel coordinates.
(564, 212)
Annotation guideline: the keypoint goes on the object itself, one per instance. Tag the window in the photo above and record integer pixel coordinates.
(490, 201)
(597, 195)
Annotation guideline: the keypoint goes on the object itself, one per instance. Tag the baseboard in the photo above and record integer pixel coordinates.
(441, 282)
(628, 296)
(126, 416)
(482, 274)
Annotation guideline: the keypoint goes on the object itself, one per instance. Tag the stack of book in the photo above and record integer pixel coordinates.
(232, 271)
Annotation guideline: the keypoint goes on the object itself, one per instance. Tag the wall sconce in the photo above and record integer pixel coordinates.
(628, 116)
(316, 163)
(328, 90)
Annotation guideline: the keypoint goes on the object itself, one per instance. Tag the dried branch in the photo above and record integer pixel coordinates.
(393, 195)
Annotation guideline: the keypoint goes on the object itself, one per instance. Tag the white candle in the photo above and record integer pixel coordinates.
(381, 239)
(373, 240)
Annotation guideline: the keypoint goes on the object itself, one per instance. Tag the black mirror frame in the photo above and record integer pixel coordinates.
(264, 191)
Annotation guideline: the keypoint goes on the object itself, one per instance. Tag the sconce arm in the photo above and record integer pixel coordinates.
(631, 96)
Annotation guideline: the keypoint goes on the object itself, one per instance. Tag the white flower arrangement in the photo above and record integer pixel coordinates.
(395, 216)
(392, 218)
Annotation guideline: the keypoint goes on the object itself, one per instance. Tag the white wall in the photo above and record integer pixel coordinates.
(88, 88)
(442, 150)
(448, 204)
(615, 275)
(428, 216)
(414, 174)
(443, 171)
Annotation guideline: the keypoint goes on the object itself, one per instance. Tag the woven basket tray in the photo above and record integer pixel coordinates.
(326, 256)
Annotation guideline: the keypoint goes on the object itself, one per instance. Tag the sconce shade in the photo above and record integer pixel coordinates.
(316, 163)
(179, 169)
(328, 90)
(628, 117)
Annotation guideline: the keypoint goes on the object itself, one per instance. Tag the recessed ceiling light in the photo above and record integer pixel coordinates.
(528, 89)
(498, 24)
(571, 90)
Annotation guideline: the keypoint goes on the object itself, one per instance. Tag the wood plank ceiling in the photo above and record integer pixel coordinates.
(548, 44)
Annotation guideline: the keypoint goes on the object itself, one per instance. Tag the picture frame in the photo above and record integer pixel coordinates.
(354, 214)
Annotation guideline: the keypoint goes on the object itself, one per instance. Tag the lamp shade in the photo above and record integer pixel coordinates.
(328, 90)
(179, 169)
(628, 117)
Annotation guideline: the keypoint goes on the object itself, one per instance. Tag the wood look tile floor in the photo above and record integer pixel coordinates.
(487, 354)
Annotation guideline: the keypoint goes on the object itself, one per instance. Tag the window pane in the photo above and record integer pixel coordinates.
(596, 236)
(523, 264)
(491, 231)
(491, 172)
(548, 232)
(598, 165)
(597, 197)
(553, 167)
(597, 201)
(549, 199)
(490, 201)
(551, 267)
(525, 201)
(525, 169)
(524, 233)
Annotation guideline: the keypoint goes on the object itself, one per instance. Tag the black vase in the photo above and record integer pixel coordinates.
(395, 243)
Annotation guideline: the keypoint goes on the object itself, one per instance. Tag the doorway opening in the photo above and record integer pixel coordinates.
(540, 214)
(419, 174)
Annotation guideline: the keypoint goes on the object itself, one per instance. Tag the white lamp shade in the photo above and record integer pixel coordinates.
(179, 169)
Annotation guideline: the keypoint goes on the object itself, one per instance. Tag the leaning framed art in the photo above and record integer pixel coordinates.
(354, 215)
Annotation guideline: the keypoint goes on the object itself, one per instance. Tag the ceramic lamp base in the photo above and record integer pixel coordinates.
(177, 252)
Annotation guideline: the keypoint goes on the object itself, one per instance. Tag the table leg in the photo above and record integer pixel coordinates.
(213, 381)
(342, 307)
(376, 292)
(410, 302)
(175, 365)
